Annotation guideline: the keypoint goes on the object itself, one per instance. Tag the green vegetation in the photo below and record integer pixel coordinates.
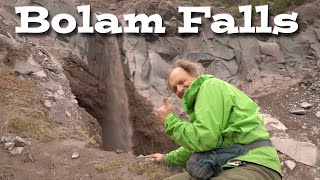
(276, 6)
(35, 122)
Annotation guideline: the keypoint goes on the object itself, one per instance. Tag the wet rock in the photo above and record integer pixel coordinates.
(75, 155)
(272, 123)
(8, 146)
(16, 151)
(318, 114)
(298, 111)
(303, 152)
(306, 105)
(290, 164)
(20, 142)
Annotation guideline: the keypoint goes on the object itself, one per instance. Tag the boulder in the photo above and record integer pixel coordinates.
(303, 152)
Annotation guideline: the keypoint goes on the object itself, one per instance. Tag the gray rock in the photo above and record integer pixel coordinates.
(8, 146)
(5, 139)
(272, 49)
(16, 151)
(318, 114)
(272, 123)
(290, 164)
(303, 152)
(20, 142)
(298, 111)
(24, 67)
(305, 105)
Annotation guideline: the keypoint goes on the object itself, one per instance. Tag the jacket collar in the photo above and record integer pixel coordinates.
(189, 97)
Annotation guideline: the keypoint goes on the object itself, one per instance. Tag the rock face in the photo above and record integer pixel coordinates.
(225, 56)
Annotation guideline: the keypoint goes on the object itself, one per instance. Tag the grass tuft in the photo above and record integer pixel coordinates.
(106, 167)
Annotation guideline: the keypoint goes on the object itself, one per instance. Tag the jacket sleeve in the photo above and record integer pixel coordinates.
(177, 157)
(204, 133)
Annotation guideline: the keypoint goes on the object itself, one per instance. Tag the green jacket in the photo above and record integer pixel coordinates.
(219, 115)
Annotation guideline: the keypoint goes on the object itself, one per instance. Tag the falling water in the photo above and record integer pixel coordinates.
(116, 130)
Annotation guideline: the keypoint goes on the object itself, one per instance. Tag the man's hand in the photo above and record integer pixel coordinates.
(157, 157)
(163, 111)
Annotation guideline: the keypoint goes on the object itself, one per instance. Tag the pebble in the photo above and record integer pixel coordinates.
(8, 146)
(75, 155)
(290, 164)
(48, 104)
(298, 111)
(119, 151)
(60, 92)
(16, 151)
(318, 114)
(305, 105)
(68, 113)
(41, 74)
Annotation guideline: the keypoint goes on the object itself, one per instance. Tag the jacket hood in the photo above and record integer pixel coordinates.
(189, 97)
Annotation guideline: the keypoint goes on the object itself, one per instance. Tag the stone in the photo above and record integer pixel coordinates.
(56, 112)
(119, 151)
(318, 114)
(40, 74)
(24, 68)
(68, 113)
(113, 7)
(16, 151)
(75, 155)
(8, 146)
(305, 105)
(303, 152)
(298, 111)
(290, 164)
(272, 49)
(272, 123)
(48, 104)
(20, 142)
(5, 139)
(140, 156)
(60, 92)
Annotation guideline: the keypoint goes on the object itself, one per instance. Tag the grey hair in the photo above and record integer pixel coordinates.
(193, 69)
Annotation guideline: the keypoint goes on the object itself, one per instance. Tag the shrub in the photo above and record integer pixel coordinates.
(280, 6)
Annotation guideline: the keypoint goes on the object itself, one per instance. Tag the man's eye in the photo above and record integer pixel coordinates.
(174, 89)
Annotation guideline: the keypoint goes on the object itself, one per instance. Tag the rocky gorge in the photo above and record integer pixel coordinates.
(98, 92)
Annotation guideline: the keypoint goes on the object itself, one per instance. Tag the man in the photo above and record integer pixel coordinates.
(220, 115)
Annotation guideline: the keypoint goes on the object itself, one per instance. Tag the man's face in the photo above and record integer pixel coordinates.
(179, 81)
